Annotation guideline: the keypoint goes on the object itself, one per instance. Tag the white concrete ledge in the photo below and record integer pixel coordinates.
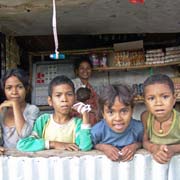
(91, 165)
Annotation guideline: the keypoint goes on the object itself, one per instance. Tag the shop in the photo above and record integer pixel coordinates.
(119, 55)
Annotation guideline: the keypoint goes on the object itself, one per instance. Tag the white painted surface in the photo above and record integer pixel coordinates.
(87, 167)
(90, 17)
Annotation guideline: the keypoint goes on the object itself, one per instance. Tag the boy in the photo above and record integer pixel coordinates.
(59, 130)
(118, 135)
(161, 121)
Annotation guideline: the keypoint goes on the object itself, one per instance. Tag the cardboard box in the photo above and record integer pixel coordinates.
(133, 45)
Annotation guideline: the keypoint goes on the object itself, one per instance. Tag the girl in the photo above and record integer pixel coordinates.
(16, 115)
(161, 121)
(59, 130)
(118, 135)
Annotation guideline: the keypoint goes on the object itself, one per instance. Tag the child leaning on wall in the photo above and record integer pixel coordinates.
(161, 121)
(58, 130)
(16, 115)
(118, 135)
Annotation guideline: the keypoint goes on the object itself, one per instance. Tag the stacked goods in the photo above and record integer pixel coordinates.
(158, 56)
(172, 54)
(128, 58)
(99, 59)
(176, 81)
(138, 91)
(155, 56)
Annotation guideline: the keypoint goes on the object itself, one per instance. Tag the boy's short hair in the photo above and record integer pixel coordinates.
(83, 94)
(160, 79)
(58, 80)
(110, 92)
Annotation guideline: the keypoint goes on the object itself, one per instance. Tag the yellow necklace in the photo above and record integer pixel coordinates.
(161, 129)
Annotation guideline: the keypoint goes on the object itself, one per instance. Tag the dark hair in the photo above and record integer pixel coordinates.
(83, 94)
(58, 80)
(160, 79)
(19, 73)
(110, 92)
(79, 61)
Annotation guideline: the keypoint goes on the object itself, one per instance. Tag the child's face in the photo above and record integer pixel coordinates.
(118, 117)
(159, 100)
(62, 98)
(14, 89)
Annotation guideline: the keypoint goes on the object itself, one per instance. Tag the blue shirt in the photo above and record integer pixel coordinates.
(101, 133)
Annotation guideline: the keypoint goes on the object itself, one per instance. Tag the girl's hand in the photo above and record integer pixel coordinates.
(127, 152)
(5, 104)
(8, 103)
(163, 154)
(2, 150)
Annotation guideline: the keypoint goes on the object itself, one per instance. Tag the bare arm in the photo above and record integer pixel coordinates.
(18, 115)
(146, 143)
(1, 150)
(63, 146)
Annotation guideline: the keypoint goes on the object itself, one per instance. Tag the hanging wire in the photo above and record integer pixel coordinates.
(55, 27)
(56, 55)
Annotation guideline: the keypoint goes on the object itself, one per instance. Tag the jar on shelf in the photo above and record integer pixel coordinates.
(103, 60)
(95, 60)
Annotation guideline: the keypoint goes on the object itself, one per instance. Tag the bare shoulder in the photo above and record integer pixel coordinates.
(144, 116)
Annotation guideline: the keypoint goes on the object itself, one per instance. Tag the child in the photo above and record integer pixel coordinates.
(16, 115)
(83, 94)
(161, 121)
(118, 135)
(58, 130)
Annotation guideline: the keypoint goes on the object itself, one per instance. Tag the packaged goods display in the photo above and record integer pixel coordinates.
(155, 56)
(99, 59)
(176, 81)
(138, 91)
(160, 56)
(135, 57)
(128, 58)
